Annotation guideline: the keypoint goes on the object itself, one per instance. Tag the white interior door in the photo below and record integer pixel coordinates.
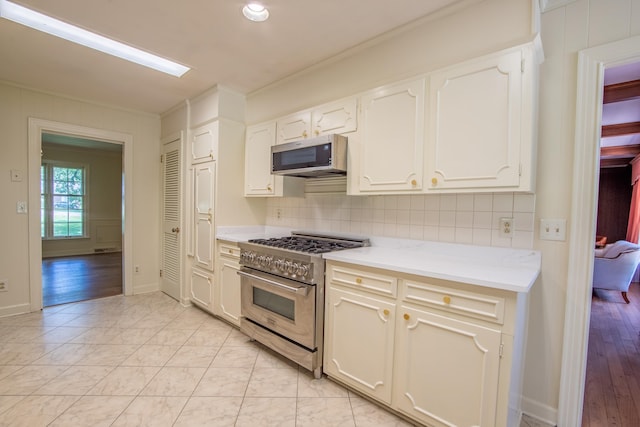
(171, 243)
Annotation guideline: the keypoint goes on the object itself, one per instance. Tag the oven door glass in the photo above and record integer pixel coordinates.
(284, 306)
(275, 303)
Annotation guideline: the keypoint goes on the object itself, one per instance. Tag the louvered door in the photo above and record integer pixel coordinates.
(171, 243)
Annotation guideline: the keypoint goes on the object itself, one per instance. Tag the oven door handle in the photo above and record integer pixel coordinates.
(302, 290)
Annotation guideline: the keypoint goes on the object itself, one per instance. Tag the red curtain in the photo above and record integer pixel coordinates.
(633, 228)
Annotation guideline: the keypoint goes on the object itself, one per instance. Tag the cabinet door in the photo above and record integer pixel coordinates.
(201, 289)
(228, 301)
(258, 180)
(294, 127)
(392, 144)
(475, 128)
(446, 370)
(337, 117)
(359, 334)
(203, 143)
(204, 224)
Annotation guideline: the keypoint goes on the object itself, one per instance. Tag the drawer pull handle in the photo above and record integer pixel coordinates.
(406, 316)
(447, 299)
(358, 280)
(386, 312)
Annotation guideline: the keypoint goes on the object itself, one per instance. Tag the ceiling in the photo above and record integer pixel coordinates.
(210, 36)
(620, 141)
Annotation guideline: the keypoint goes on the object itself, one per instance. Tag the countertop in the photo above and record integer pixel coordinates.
(499, 268)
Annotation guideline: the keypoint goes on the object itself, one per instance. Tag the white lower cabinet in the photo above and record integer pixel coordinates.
(439, 352)
(446, 370)
(227, 299)
(202, 288)
(360, 356)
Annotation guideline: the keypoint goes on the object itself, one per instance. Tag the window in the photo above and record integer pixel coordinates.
(62, 200)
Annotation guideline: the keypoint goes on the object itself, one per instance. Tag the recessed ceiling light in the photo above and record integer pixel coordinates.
(46, 24)
(255, 12)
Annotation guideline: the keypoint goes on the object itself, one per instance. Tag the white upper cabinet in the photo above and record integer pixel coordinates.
(336, 117)
(481, 121)
(203, 143)
(391, 139)
(294, 127)
(258, 180)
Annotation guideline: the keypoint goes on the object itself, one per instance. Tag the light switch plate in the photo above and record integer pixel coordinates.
(553, 229)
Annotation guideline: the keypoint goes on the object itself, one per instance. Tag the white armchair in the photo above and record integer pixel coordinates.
(614, 266)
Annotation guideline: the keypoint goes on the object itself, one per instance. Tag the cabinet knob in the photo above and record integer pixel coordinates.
(316, 132)
(269, 188)
(358, 280)
(175, 230)
(414, 182)
(434, 181)
(446, 299)
(406, 316)
(230, 251)
(386, 312)
(304, 134)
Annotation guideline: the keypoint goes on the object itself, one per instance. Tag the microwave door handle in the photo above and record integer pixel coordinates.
(302, 290)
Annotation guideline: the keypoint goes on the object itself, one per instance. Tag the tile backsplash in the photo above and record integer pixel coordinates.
(460, 218)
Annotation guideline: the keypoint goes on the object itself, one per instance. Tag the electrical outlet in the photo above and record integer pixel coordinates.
(553, 229)
(136, 269)
(4, 285)
(278, 213)
(21, 207)
(506, 227)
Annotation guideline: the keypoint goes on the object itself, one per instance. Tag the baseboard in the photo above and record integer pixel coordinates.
(12, 310)
(540, 411)
(146, 288)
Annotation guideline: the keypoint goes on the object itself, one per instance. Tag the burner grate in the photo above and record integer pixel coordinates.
(306, 245)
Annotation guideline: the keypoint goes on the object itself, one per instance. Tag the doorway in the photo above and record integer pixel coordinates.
(38, 128)
(81, 218)
(591, 65)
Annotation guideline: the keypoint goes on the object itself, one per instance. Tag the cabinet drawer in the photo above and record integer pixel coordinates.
(369, 280)
(230, 251)
(479, 306)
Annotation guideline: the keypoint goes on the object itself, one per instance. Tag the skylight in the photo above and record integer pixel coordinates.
(46, 24)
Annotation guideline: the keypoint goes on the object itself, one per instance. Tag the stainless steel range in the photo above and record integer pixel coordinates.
(282, 292)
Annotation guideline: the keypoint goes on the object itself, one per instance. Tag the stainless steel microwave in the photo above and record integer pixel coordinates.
(322, 156)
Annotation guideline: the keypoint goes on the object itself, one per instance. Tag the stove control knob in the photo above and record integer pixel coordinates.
(267, 261)
(260, 260)
(289, 267)
(302, 270)
(279, 264)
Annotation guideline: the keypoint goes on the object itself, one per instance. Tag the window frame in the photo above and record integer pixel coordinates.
(48, 196)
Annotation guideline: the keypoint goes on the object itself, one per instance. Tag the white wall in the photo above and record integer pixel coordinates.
(16, 106)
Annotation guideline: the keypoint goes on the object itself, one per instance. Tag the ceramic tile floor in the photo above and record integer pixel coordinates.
(146, 360)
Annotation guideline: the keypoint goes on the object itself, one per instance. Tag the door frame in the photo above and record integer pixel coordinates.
(36, 128)
(584, 201)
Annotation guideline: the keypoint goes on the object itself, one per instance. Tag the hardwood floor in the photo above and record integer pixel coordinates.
(612, 391)
(79, 278)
